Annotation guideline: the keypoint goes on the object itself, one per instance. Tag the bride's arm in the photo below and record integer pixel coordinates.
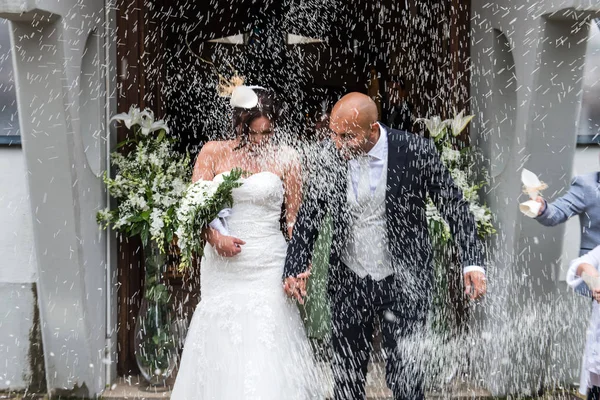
(292, 181)
(204, 169)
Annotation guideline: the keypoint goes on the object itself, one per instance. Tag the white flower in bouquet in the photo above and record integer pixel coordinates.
(450, 156)
(143, 119)
(478, 212)
(138, 202)
(131, 118)
(148, 125)
(154, 160)
(435, 126)
(148, 182)
(157, 223)
(179, 187)
(460, 178)
(200, 205)
(437, 223)
(459, 122)
(198, 194)
(461, 169)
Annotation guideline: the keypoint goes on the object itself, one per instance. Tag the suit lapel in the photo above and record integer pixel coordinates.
(397, 157)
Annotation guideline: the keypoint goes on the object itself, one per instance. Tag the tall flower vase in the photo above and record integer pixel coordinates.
(156, 336)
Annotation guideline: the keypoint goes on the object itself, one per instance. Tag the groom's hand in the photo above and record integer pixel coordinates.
(295, 287)
(475, 284)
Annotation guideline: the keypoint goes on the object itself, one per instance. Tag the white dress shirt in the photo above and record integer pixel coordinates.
(378, 157)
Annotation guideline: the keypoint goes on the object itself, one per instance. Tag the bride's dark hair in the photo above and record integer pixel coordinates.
(267, 107)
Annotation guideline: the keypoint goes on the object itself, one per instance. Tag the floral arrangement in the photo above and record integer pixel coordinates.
(459, 158)
(201, 204)
(150, 181)
(151, 178)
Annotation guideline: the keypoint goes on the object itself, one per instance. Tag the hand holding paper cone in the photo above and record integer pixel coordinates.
(532, 186)
(531, 208)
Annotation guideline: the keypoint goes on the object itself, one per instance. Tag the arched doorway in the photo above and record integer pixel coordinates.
(425, 42)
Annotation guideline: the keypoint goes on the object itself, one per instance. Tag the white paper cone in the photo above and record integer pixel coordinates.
(530, 180)
(530, 208)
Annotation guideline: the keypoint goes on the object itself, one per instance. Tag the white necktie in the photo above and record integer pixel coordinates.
(363, 192)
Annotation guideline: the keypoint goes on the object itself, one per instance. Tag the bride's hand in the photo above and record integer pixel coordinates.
(225, 246)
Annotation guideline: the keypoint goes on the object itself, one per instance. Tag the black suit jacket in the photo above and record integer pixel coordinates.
(414, 171)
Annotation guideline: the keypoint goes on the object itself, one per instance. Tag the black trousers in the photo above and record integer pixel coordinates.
(355, 304)
(593, 393)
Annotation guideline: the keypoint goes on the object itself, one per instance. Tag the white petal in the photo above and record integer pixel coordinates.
(120, 117)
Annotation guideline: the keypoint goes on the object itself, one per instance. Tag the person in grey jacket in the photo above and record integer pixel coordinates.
(582, 199)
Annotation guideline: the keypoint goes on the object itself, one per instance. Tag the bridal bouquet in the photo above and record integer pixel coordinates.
(201, 204)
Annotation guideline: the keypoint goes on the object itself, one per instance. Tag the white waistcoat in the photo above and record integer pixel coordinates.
(367, 249)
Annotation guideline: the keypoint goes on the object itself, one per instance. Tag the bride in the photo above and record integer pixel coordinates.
(246, 339)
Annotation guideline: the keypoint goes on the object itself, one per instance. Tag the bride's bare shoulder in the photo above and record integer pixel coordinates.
(210, 159)
(215, 148)
(211, 146)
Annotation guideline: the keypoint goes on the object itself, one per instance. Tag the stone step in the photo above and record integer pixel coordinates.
(135, 388)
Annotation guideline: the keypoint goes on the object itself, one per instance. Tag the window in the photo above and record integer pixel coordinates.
(9, 119)
(589, 120)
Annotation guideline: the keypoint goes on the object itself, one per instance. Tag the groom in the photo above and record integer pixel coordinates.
(376, 186)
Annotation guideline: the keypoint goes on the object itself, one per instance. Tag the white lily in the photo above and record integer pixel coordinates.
(459, 122)
(133, 117)
(148, 125)
(434, 125)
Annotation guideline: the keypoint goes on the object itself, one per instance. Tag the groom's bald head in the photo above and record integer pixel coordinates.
(355, 108)
(353, 122)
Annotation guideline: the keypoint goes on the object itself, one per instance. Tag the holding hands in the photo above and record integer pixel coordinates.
(295, 286)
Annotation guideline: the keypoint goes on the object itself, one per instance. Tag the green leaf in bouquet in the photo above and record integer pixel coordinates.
(145, 234)
(135, 229)
(125, 143)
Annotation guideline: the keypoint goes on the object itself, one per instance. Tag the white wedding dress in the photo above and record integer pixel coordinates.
(246, 339)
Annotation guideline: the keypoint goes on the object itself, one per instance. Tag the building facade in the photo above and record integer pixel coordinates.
(69, 285)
